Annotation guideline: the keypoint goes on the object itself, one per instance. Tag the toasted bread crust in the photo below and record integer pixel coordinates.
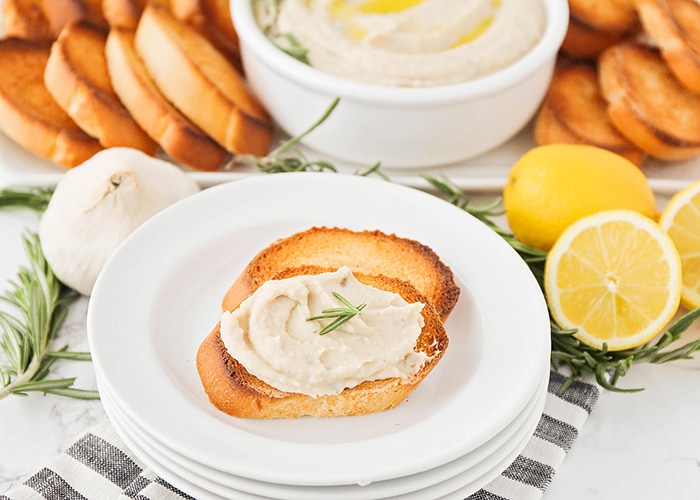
(77, 76)
(123, 13)
(207, 88)
(30, 116)
(678, 51)
(233, 390)
(370, 252)
(178, 137)
(60, 13)
(647, 104)
(212, 19)
(575, 112)
(25, 19)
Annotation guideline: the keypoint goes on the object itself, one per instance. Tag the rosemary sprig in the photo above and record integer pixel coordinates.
(579, 359)
(341, 314)
(288, 158)
(36, 199)
(42, 302)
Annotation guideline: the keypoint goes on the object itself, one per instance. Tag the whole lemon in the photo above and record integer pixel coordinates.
(551, 187)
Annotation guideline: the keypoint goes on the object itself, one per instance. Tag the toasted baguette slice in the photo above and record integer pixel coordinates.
(77, 77)
(369, 252)
(686, 14)
(574, 112)
(585, 42)
(648, 104)
(676, 49)
(123, 13)
(26, 19)
(212, 19)
(201, 83)
(612, 15)
(30, 116)
(62, 12)
(178, 137)
(233, 390)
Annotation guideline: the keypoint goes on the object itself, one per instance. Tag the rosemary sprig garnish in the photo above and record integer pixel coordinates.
(341, 314)
(288, 158)
(607, 367)
(289, 44)
(42, 302)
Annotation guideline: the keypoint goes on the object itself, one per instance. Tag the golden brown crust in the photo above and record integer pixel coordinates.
(212, 19)
(77, 77)
(233, 390)
(25, 19)
(30, 116)
(680, 54)
(647, 104)
(178, 137)
(574, 112)
(595, 26)
(370, 252)
(60, 13)
(123, 13)
(201, 82)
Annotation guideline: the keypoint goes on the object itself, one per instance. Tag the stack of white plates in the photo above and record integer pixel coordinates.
(159, 296)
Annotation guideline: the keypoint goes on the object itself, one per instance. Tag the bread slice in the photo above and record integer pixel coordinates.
(212, 19)
(587, 42)
(123, 13)
(610, 16)
(233, 390)
(648, 104)
(179, 138)
(686, 14)
(676, 49)
(62, 12)
(574, 112)
(369, 252)
(25, 19)
(77, 77)
(30, 115)
(201, 83)
(595, 26)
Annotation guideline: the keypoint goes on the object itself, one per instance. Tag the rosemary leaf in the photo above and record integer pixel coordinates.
(36, 199)
(42, 302)
(341, 314)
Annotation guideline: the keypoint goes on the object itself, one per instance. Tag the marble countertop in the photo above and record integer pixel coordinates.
(642, 446)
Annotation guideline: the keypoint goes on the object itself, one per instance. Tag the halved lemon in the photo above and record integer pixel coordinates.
(681, 220)
(615, 276)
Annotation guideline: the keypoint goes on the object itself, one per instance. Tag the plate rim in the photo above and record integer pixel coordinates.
(295, 184)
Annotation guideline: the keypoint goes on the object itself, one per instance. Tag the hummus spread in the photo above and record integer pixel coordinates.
(409, 43)
(270, 335)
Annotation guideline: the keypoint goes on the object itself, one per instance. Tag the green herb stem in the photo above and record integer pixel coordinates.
(341, 314)
(580, 360)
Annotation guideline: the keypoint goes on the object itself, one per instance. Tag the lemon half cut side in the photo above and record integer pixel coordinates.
(615, 277)
(681, 220)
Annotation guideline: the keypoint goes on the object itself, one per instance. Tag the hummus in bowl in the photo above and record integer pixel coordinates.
(406, 43)
(412, 122)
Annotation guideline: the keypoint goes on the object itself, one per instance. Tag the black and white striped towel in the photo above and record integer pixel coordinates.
(100, 466)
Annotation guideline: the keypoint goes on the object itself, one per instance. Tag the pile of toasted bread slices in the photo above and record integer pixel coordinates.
(628, 80)
(161, 76)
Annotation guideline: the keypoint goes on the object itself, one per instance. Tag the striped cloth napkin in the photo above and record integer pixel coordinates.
(100, 466)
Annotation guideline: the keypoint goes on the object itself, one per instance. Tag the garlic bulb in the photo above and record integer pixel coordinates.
(97, 204)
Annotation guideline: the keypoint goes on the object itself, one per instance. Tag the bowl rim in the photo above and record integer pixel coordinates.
(544, 52)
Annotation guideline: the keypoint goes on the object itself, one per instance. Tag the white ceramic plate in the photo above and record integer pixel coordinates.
(159, 296)
(465, 470)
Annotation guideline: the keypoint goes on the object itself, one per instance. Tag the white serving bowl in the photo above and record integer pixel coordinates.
(400, 127)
